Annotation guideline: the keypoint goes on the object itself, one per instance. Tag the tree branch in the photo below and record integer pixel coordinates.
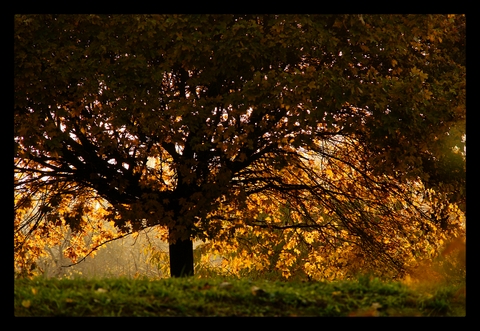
(94, 249)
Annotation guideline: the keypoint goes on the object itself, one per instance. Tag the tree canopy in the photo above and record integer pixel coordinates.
(202, 123)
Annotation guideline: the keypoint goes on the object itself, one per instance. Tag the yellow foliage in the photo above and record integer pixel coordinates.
(261, 237)
(333, 251)
(35, 240)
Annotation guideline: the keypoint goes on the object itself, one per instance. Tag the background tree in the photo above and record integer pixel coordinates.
(171, 117)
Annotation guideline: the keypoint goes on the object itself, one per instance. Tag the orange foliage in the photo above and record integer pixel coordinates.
(321, 233)
(73, 219)
(358, 225)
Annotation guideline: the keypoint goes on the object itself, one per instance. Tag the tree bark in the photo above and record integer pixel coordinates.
(181, 258)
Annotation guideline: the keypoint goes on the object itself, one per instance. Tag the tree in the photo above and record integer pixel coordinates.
(171, 117)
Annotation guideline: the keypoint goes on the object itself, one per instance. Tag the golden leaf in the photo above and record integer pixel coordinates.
(329, 173)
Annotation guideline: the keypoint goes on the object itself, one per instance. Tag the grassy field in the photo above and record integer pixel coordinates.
(231, 297)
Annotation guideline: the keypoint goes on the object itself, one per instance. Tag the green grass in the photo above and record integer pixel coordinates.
(230, 297)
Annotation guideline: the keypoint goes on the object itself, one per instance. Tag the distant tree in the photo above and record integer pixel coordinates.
(170, 118)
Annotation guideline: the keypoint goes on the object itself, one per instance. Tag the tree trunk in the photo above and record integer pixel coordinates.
(181, 258)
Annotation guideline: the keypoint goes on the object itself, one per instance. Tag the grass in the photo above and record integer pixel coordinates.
(230, 297)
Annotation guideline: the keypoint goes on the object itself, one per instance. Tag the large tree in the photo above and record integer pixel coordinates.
(172, 117)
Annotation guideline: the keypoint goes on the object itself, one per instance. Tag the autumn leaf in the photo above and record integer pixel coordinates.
(417, 72)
